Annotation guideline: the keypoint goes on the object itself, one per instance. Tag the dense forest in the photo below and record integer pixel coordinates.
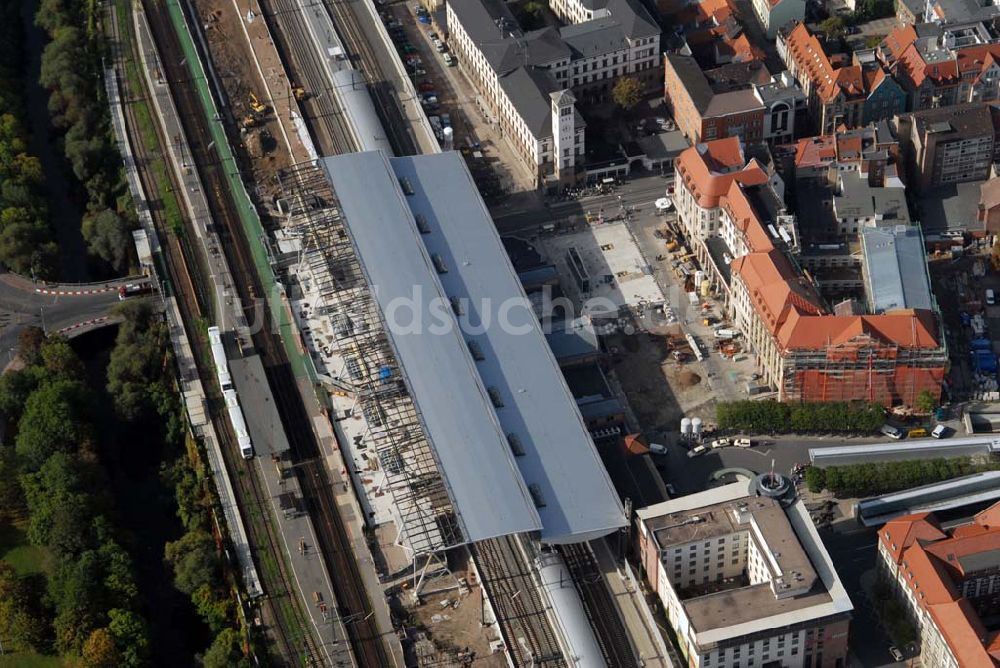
(75, 488)
(71, 74)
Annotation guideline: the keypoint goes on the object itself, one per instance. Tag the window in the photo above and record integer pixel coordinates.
(515, 444)
(536, 495)
(495, 397)
(422, 224)
(476, 350)
(405, 184)
(439, 264)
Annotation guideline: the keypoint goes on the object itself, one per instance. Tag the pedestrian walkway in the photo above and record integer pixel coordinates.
(646, 638)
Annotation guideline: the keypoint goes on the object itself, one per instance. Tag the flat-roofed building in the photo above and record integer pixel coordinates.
(894, 267)
(948, 145)
(744, 580)
(468, 409)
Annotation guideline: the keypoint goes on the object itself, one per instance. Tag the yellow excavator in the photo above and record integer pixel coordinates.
(257, 106)
(299, 92)
(250, 121)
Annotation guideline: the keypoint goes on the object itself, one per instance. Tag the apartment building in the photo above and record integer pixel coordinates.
(837, 93)
(517, 73)
(737, 226)
(948, 580)
(960, 11)
(774, 14)
(857, 204)
(948, 145)
(704, 173)
(872, 151)
(763, 108)
(744, 580)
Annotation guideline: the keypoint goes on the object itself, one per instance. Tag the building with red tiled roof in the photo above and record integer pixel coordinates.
(838, 93)
(949, 582)
(737, 226)
(936, 68)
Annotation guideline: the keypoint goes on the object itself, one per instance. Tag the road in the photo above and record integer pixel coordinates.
(523, 214)
(22, 306)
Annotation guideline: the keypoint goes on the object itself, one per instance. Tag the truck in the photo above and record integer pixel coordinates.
(726, 333)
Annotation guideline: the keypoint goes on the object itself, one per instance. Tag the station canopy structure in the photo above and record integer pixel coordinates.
(473, 423)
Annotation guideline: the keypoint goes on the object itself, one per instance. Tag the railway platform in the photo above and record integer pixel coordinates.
(648, 643)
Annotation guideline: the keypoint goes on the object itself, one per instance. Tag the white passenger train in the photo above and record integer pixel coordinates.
(236, 418)
(239, 424)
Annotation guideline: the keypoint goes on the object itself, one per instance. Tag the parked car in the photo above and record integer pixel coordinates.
(446, 120)
(891, 432)
(449, 60)
(424, 18)
(743, 443)
(654, 448)
(917, 433)
(721, 443)
(895, 653)
(670, 490)
(697, 450)
(426, 86)
(940, 431)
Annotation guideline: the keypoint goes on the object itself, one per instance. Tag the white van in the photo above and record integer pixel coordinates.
(743, 443)
(991, 297)
(939, 431)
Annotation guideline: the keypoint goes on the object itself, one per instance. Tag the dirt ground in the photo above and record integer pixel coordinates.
(452, 622)
(234, 64)
(660, 389)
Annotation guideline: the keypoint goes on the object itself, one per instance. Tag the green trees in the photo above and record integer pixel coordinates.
(816, 417)
(926, 401)
(860, 480)
(25, 234)
(63, 494)
(627, 92)
(71, 71)
(195, 561)
(109, 236)
(833, 27)
(22, 624)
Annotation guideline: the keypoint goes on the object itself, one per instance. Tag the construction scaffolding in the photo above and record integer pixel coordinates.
(863, 369)
(427, 519)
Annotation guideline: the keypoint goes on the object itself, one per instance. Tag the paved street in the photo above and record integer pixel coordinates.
(524, 212)
(21, 306)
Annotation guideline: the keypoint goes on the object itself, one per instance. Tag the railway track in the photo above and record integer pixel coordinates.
(250, 495)
(599, 605)
(354, 608)
(298, 55)
(530, 639)
(379, 85)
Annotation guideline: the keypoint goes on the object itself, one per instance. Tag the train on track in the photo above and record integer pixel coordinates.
(359, 111)
(222, 374)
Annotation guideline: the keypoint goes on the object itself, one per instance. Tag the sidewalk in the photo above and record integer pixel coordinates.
(647, 641)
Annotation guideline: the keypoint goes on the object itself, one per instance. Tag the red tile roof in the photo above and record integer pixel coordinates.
(708, 169)
(827, 80)
(930, 564)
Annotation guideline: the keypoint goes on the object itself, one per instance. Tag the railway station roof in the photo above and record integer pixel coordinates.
(506, 429)
(471, 449)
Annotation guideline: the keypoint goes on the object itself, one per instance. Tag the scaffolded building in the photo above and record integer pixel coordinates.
(471, 419)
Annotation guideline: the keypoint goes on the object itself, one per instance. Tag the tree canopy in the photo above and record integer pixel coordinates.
(627, 92)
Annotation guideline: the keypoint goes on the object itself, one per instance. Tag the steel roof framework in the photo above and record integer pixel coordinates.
(429, 521)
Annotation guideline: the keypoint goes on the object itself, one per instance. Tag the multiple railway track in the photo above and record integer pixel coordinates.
(301, 60)
(600, 607)
(355, 610)
(517, 603)
(290, 635)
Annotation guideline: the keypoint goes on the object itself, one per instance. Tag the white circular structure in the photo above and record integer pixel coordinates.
(685, 426)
